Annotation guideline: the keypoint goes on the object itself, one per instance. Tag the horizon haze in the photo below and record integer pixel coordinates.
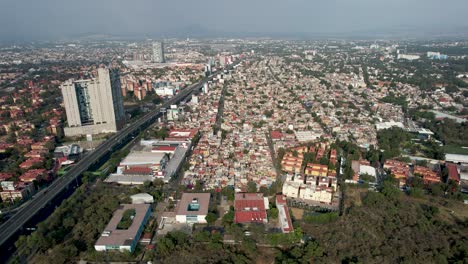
(52, 19)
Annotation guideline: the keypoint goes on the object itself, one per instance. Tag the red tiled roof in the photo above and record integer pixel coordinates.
(138, 170)
(453, 172)
(164, 148)
(249, 207)
(5, 176)
(183, 134)
(150, 246)
(243, 204)
(30, 162)
(5, 146)
(147, 236)
(36, 153)
(62, 160)
(32, 175)
(393, 163)
(280, 199)
(249, 216)
(428, 175)
(276, 134)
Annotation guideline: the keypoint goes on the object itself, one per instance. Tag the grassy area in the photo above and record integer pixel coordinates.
(321, 218)
(127, 219)
(452, 149)
(353, 195)
(297, 213)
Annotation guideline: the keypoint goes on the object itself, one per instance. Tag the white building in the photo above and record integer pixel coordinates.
(142, 198)
(369, 170)
(386, 125)
(408, 57)
(158, 52)
(94, 105)
(165, 91)
(147, 159)
(113, 238)
(305, 136)
(193, 208)
(140, 166)
(283, 214)
(309, 190)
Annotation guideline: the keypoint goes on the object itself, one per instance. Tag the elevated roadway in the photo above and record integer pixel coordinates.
(45, 197)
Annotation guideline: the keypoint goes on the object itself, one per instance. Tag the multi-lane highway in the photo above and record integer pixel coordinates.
(43, 198)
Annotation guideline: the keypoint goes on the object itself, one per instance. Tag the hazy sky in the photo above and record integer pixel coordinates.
(32, 19)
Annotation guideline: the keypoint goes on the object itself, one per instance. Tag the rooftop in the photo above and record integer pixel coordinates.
(193, 204)
(141, 158)
(114, 236)
(250, 207)
(182, 134)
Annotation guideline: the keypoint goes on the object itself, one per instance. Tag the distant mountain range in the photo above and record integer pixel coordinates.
(199, 31)
(396, 32)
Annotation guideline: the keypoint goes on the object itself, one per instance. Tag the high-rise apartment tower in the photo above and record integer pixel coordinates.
(94, 105)
(158, 52)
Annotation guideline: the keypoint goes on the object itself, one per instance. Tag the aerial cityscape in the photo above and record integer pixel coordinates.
(225, 144)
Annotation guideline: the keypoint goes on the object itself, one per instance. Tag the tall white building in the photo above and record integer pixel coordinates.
(408, 57)
(94, 105)
(158, 52)
(222, 60)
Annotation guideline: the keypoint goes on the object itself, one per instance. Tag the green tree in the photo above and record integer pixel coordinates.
(211, 218)
(251, 187)
(228, 218)
(389, 189)
(264, 190)
(273, 213)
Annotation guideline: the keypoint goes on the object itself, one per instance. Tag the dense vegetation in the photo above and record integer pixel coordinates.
(388, 227)
(449, 131)
(397, 100)
(392, 140)
(207, 247)
(395, 141)
(321, 218)
(178, 247)
(71, 231)
(73, 227)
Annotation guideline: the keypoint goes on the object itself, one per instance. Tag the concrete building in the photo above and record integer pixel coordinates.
(291, 163)
(306, 136)
(283, 214)
(222, 61)
(250, 208)
(456, 158)
(311, 188)
(113, 238)
(165, 91)
(94, 105)
(16, 190)
(142, 198)
(408, 57)
(387, 125)
(158, 52)
(144, 159)
(193, 208)
(436, 55)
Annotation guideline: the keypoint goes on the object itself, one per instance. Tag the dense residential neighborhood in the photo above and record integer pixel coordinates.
(259, 150)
